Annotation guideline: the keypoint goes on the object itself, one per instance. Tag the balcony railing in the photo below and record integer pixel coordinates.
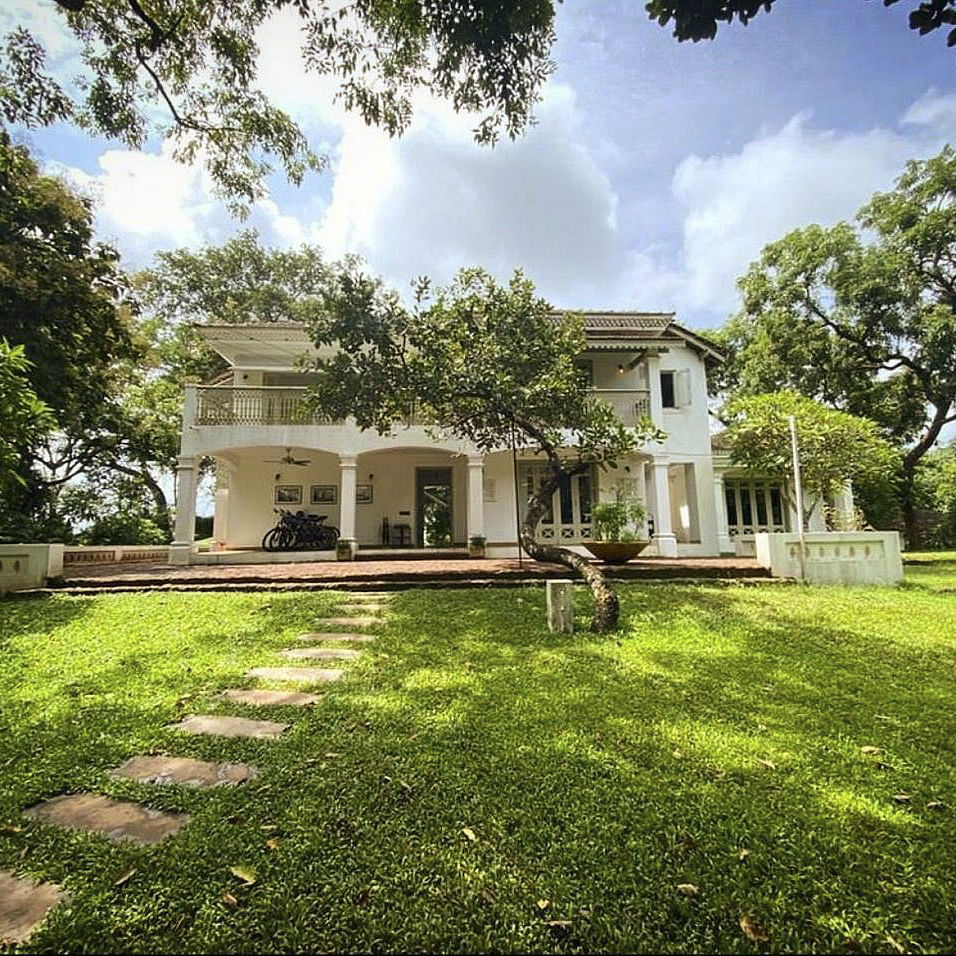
(631, 404)
(255, 406)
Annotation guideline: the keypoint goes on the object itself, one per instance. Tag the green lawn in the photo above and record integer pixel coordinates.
(716, 741)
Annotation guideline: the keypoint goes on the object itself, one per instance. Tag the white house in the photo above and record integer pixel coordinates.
(413, 490)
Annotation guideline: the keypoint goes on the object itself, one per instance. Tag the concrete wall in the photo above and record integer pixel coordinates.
(836, 557)
(26, 566)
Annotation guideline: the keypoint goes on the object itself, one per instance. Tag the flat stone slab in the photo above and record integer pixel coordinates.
(336, 636)
(183, 770)
(116, 819)
(322, 653)
(272, 698)
(299, 675)
(350, 621)
(23, 904)
(229, 726)
(364, 608)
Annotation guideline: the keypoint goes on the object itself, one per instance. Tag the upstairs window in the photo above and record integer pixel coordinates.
(675, 388)
(668, 395)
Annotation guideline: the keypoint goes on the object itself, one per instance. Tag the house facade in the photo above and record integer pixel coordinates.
(412, 489)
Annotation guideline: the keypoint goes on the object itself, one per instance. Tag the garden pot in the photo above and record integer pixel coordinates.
(615, 552)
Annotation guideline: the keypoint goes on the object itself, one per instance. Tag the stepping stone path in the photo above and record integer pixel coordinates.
(350, 621)
(298, 675)
(23, 904)
(327, 653)
(229, 726)
(116, 819)
(336, 636)
(183, 770)
(272, 698)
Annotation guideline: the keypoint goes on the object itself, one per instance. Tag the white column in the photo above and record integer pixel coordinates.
(654, 387)
(182, 546)
(724, 543)
(476, 497)
(347, 498)
(663, 530)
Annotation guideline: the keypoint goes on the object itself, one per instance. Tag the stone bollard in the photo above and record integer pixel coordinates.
(560, 606)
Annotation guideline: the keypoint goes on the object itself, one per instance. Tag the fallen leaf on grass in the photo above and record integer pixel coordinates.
(124, 876)
(272, 843)
(936, 805)
(229, 899)
(753, 931)
(870, 749)
(10, 830)
(901, 797)
(469, 834)
(743, 854)
(688, 889)
(488, 896)
(244, 873)
(543, 904)
(269, 827)
(556, 924)
(769, 764)
(896, 944)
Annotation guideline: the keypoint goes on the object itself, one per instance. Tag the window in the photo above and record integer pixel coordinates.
(668, 395)
(754, 506)
(568, 519)
(675, 388)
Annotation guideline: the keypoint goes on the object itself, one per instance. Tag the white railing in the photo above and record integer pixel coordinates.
(115, 554)
(256, 406)
(630, 404)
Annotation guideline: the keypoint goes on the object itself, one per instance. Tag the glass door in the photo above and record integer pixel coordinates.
(434, 526)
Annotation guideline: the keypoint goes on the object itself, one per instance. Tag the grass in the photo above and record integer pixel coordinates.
(596, 774)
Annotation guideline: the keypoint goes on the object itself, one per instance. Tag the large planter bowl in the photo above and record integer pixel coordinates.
(615, 552)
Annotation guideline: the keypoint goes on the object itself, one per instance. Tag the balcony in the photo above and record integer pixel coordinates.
(217, 405)
(630, 404)
(225, 405)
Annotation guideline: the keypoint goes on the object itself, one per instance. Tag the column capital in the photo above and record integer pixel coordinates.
(348, 461)
(718, 478)
(186, 461)
(661, 461)
(476, 461)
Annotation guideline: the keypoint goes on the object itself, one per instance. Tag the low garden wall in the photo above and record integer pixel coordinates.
(115, 554)
(24, 566)
(833, 557)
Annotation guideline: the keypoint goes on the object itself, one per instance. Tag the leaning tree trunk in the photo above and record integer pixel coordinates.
(606, 605)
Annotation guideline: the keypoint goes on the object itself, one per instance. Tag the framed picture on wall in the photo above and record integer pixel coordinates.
(288, 495)
(323, 494)
(363, 494)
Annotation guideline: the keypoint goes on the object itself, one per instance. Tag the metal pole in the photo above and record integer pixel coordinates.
(514, 467)
(798, 491)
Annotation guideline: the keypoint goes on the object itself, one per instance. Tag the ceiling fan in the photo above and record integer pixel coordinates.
(288, 459)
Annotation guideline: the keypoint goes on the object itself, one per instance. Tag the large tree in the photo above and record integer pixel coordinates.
(487, 363)
(61, 302)
(862, 318)
(188, 70)
(699, 19)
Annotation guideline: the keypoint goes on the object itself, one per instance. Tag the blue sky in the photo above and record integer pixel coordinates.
(656, 173)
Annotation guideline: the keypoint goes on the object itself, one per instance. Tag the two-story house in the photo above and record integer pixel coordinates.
(412, 490)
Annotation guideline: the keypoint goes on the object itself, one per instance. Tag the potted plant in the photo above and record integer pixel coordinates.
(344, 549)
(614, 525)
(476, 546)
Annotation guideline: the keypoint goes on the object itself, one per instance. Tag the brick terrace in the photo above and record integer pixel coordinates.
(416, 573)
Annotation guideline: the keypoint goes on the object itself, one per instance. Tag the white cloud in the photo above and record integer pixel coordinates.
(732, 205)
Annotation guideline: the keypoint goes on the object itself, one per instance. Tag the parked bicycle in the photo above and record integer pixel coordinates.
(300, 532)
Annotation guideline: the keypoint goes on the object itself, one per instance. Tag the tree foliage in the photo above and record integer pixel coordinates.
(936, 493)
(835, 447)
(862, 318)
(195, 65)
(24, 419)
(699, 19)
(486, 363)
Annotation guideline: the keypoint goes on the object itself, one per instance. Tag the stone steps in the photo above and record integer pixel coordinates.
(260, 697)
(162, 770)
(336, 636)
(24, 905)
(296, 675)
(321, 653)
(224, 726)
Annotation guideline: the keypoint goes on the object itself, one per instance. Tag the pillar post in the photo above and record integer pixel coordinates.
(724, 543)
(663, 530)
(180, 552)
(476, 497)
(347, 490)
